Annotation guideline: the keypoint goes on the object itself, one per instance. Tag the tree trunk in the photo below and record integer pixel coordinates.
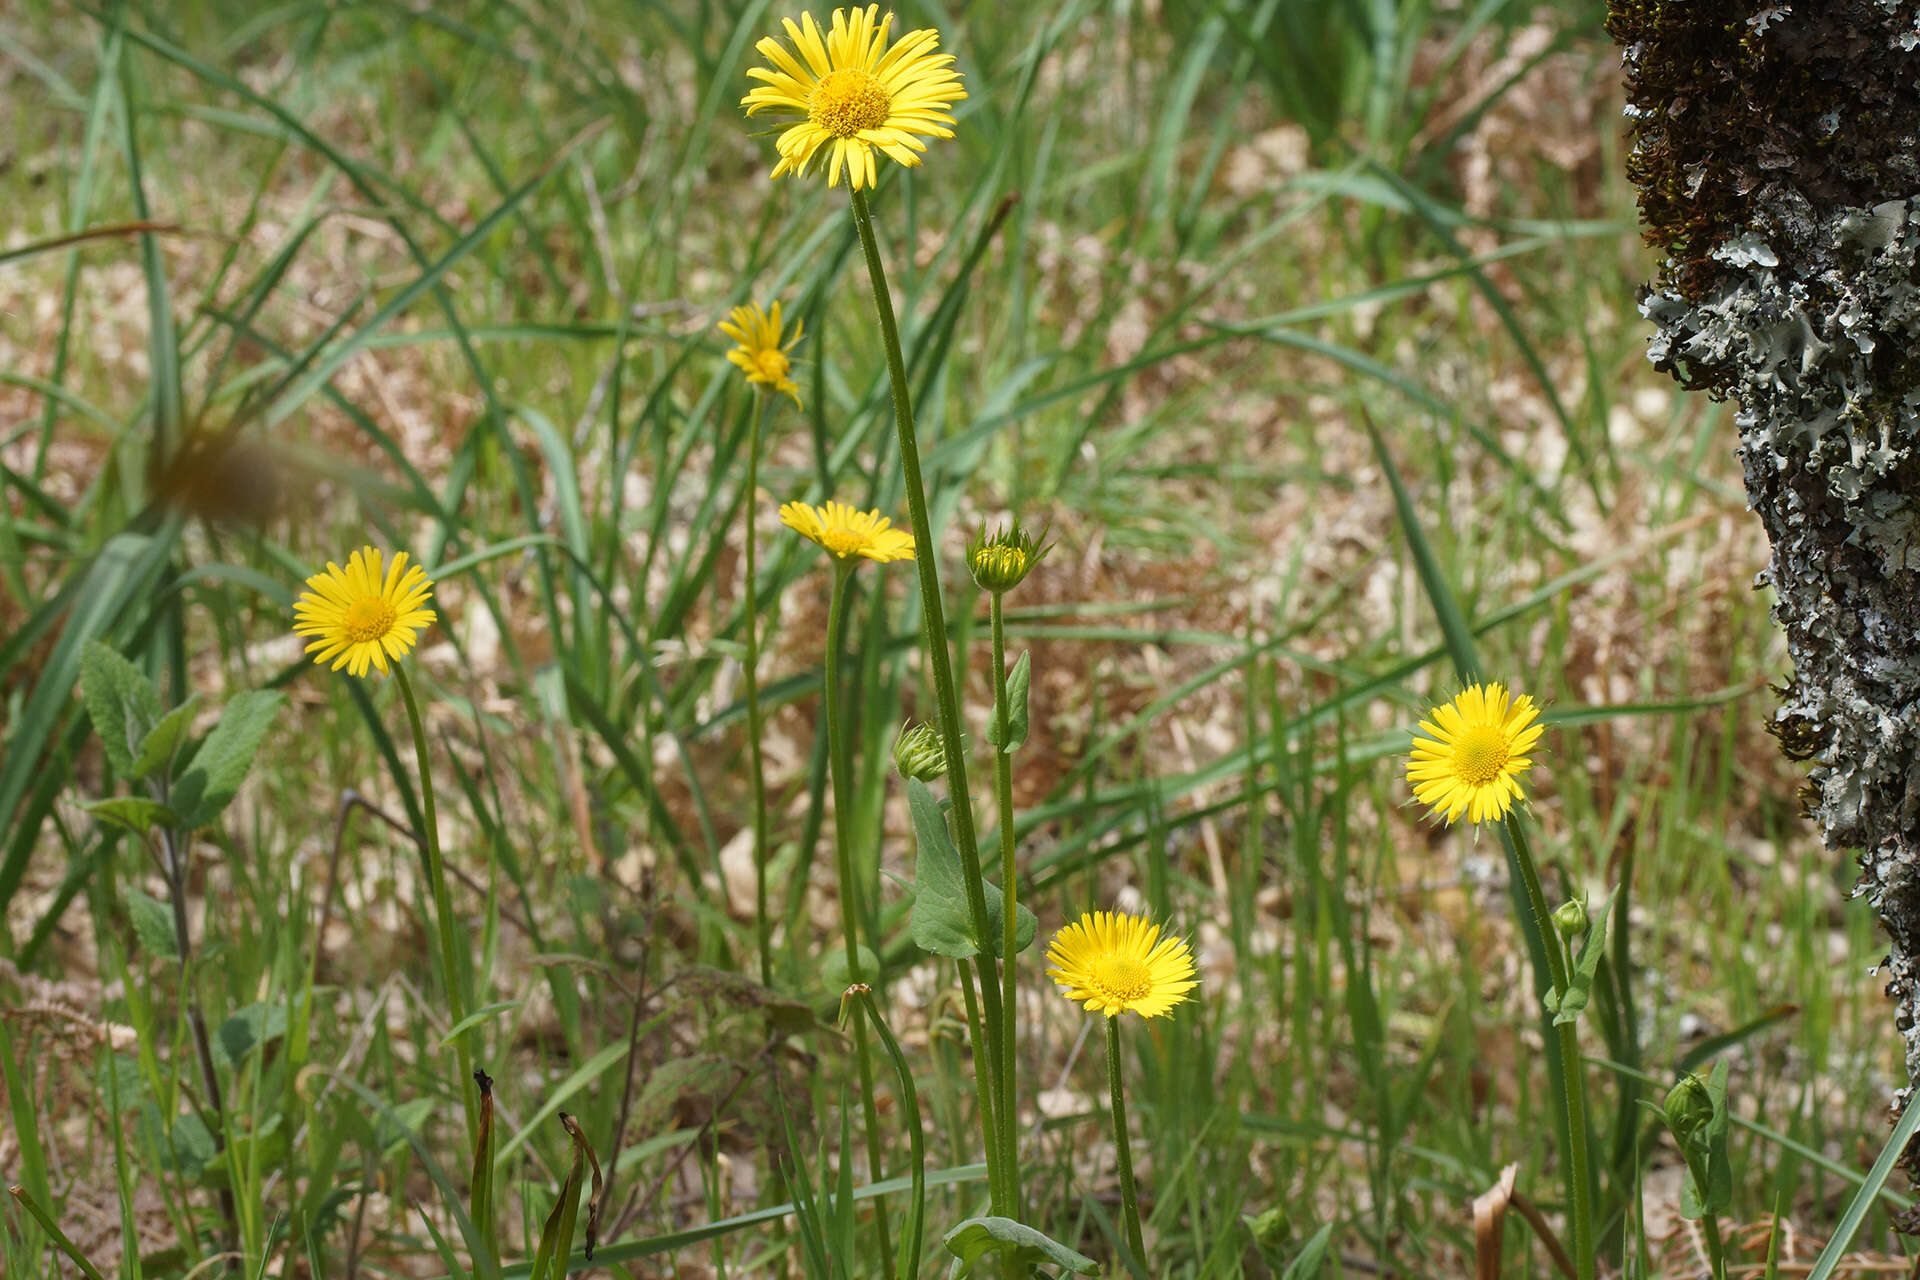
(1777, 151)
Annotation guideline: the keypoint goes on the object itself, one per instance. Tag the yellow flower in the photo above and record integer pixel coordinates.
(359, 616)
(847, 532)
(1476, 750)
(1116, 963)
(760, 353)
(854, 94)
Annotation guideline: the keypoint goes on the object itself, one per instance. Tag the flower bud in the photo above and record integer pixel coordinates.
(919, 753)
(1000, 559)
(1689, 1107)
(1570, 918)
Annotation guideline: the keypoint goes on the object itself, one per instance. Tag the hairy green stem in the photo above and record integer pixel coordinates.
(986, 1088)
(756, 768)
(1129, 1198)
(1003, 795)
(1572, 1074)
(840, 766)
(933, 622)
(451, 973)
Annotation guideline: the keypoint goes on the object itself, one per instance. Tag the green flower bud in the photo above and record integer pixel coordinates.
(1689, 1107)
(1270, 1228)
(919, 753)
(1570, 918)
(1000, 559)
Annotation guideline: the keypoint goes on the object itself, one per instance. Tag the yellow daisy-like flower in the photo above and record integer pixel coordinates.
(1115, 963)
(760, 354)
(855, 93)
(847, 532)
(1476, 749)
(361, 616)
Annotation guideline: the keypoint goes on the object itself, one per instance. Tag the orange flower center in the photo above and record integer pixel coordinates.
(847, 101)
(1123, 978)
(368, 618)
(1480, 754)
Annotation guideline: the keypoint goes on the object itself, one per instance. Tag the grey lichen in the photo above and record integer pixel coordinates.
(1777, 148)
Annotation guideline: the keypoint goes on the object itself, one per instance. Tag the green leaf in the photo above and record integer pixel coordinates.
(1567, 1005)
(835, 974)
(121, 701)
(1017, 686)
(214, 775)
(1024, 923)
(941, 921)
(163, 739)
(1307, 1265)
(976, 1238)
(136, 813)
(246, 1030)
(152, 924)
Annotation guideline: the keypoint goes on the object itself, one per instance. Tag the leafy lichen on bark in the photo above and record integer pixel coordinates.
(1777, 150)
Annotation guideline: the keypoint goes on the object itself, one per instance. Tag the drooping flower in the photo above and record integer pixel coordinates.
(362, 616)
(761, 355)
(847, 532)
(1476, 749)
(854, 93)
(1115, 963)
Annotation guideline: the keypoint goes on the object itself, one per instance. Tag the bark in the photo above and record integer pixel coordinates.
(1777, 151)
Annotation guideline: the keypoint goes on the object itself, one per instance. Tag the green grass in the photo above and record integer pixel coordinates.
(450, 278)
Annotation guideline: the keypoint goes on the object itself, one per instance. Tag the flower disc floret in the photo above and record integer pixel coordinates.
(1116, 963)
(850, 92)
(1474, 753)
(366, 614)
(847, 532)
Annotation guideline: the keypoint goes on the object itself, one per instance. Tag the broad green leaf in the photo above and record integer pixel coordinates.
(942, 920)
(940, 913)
(1017, 687)
(136, 813)
(834, 972)
(152, 924)
(1004, 1238)
(157, 748)
(210, 780)
(121, 701)
(1024, 923)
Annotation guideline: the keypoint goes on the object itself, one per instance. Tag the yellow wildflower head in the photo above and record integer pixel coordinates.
(761, 355)
(853, 93)
(1475, 750)
(1115, 963)
(848, 533)
(361, 616)
(1000, 559)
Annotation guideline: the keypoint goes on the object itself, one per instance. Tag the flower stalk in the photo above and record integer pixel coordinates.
(452, 974)
(1123, 1152)
(840, 765)
(940, 671)
(1009, 1136)
(756, 763)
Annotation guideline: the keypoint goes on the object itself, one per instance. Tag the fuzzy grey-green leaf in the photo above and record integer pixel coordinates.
(210, 780)
(136, 813)
(163, 739)
(121, 701)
